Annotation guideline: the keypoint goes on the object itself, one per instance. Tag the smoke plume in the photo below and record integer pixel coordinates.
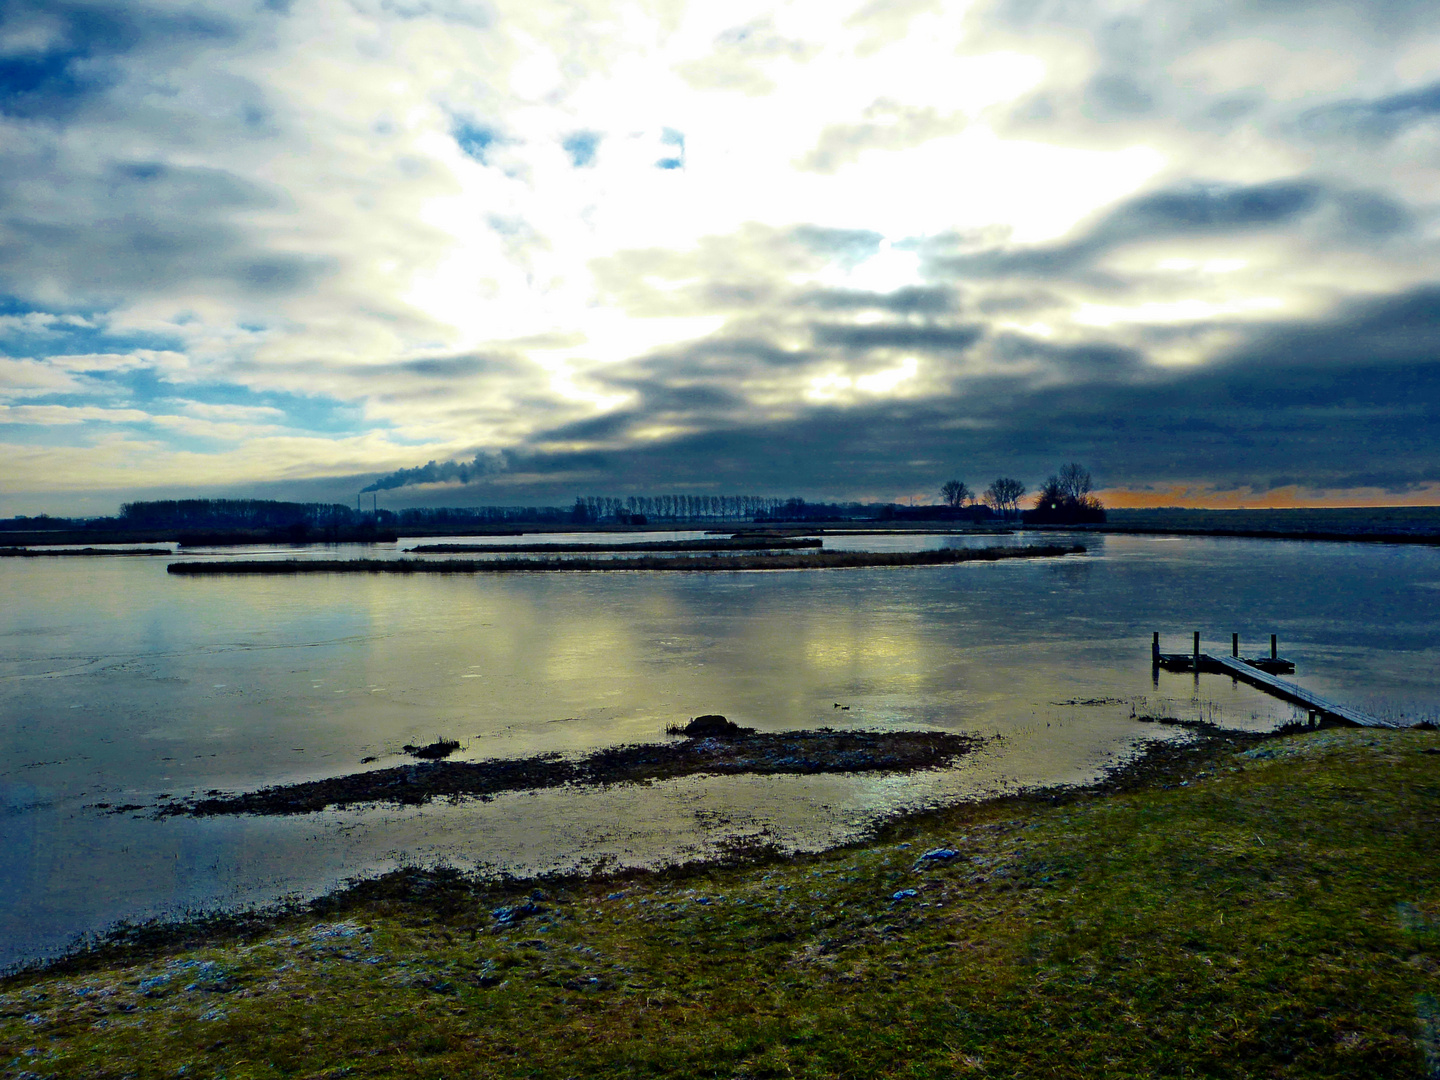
(439, 472)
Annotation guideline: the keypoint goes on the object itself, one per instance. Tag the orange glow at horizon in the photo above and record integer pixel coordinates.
(1198, 497)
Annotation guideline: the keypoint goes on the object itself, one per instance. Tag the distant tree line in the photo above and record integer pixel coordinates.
(1064, 498)
(232, 514)
(478, 515)
(682, 508)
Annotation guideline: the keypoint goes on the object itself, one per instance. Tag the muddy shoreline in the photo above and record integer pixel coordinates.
(820, 751)
(88, 552)
(1159, 765)
(818, 560)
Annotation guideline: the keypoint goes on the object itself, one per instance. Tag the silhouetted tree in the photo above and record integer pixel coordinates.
(1004, 495)
(1074, 481)
(1065, 498)
(955, 494)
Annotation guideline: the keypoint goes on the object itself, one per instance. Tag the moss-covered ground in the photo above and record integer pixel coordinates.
(1266, 913)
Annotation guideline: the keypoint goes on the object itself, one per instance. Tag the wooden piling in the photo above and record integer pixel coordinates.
(1257, 672)
(1234, 644)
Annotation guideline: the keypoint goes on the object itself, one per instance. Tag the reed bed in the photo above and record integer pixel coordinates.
(818, 560)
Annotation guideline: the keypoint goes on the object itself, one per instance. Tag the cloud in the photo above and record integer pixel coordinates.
(198, 427)
(741, 58)
(1195, 211)
(136, 228)
(819, 249)
(49, 415)
(433, 472)
(887, 126)
(908, 300)
(153, 359)
(27, 377)
(213, 411)
(1376, 119)
(57, 57)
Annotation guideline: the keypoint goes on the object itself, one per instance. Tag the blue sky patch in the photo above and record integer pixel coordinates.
(38, 334)
(671, 137)
(475, 140)
(581, 147)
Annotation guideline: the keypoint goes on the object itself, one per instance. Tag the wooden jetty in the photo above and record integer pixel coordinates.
(1260, 672)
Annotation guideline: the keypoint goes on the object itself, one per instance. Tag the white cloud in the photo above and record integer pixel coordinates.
(374, 204)
(50, 415)
(197, 427)
(238, 413)
(157, 359)
(27, 378)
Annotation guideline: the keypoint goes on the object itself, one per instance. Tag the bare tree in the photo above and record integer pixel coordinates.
(1004, 495)
(1074, 481)
(955, 494)
(1066, 497)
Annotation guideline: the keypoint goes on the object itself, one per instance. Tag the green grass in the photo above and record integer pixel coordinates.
(1276, 916)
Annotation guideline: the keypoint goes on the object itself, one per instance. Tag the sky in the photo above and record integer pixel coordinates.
(842, 249)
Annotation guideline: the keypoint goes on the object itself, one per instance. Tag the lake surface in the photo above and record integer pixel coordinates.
(120, 683)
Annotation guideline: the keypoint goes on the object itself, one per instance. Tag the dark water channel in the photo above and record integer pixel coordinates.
(120, 683)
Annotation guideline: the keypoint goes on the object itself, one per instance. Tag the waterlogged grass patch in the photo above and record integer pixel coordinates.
(1276, 917)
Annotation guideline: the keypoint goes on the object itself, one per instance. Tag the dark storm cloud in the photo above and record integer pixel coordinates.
(1400, 329)
(77, 44)
(449, 367)
(1079, 364)
(911, 300)
(1378, 118)
(86, 215)
(135, 228)
(1195, 211)
(730, 358)
(698, 385)
(932, 339)
(1351, 399)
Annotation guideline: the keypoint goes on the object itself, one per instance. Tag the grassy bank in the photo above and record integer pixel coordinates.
(817, 560)
(1267, 913)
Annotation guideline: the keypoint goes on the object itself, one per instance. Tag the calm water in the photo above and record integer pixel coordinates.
(120, 683)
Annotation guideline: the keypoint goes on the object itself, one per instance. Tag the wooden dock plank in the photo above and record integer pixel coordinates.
(1290, 692)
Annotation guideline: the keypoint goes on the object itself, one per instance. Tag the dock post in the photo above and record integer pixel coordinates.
(1155, 648)
(1197, 652)
(1273, 652)
(1234, 644)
